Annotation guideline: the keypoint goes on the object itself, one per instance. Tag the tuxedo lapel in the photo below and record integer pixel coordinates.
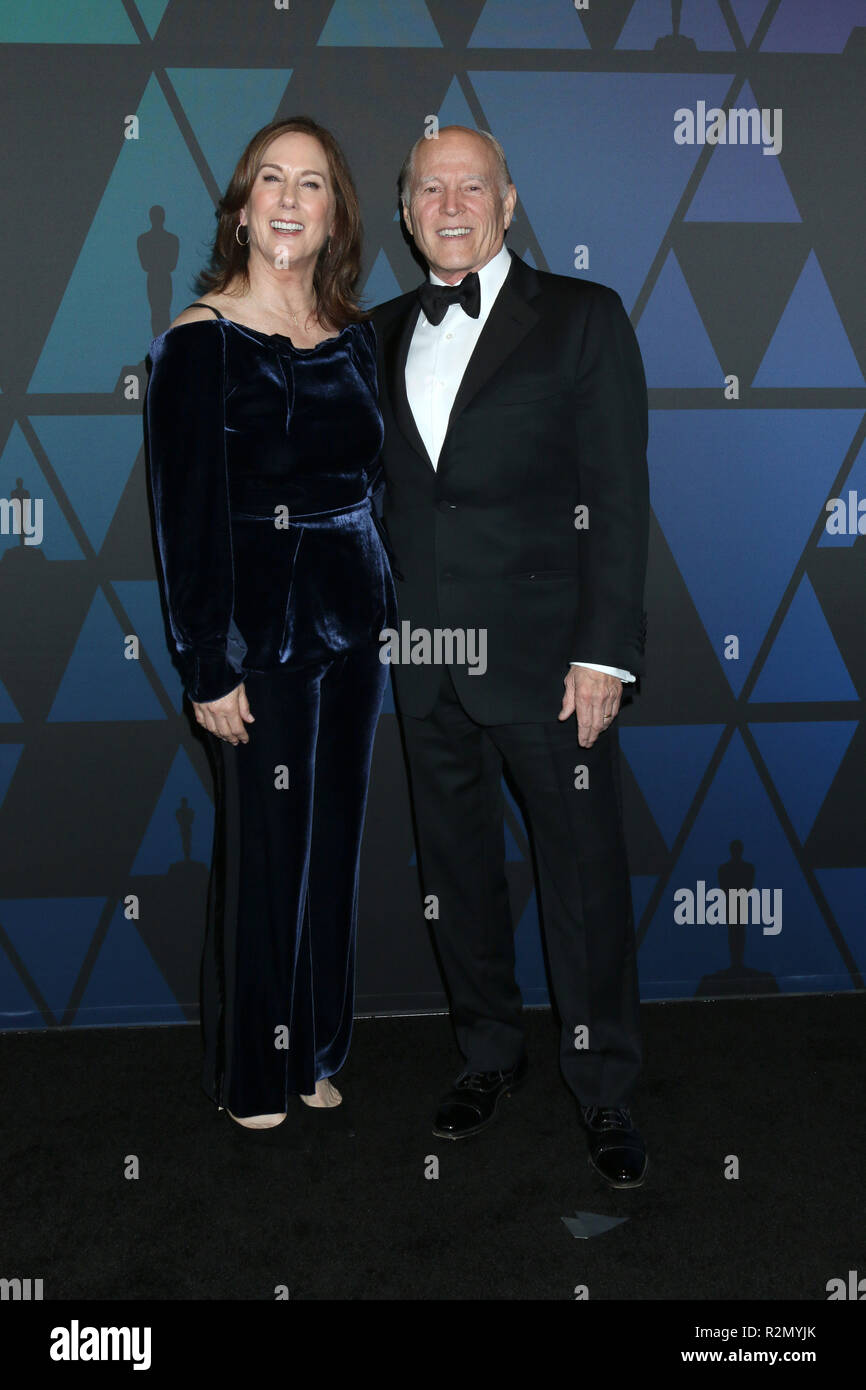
(508, 323)
(396, 352)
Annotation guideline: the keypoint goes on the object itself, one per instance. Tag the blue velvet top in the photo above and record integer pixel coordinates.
(264, 459)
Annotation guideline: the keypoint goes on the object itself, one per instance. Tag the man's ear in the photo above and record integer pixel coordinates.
(407, 218)
(509, 203)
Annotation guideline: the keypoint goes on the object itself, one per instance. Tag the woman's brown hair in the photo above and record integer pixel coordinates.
(337, 269)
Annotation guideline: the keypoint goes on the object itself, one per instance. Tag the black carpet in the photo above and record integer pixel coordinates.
(338, 1207)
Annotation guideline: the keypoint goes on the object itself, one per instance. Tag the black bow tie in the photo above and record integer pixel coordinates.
(437, 299)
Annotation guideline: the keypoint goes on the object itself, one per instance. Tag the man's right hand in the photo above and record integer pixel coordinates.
(226, 717)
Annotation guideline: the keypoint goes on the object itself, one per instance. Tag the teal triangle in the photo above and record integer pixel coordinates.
(853, 495)
(66, 21)
(140, 599)
(9, 755)
(162, 845)
(514, 24)
(802, 760)
(387, 24)
(93, 456)
(58, 541)
(668, 761)
(810, 346)
(801, 957)
(8, 712)
(845, 891)
(649, 25)
(152, 12)
(99, 683)
(87, 347)
(804, 662)
(741, 183)
(673, 340)
(17, 1007)
(52, 936)
(748, 14)
(381, 284)
(455, 109)
(225, 106)
(125, 985)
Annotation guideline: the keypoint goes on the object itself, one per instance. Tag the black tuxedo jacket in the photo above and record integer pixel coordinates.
(551, 416)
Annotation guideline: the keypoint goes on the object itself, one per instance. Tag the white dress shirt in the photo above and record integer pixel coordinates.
(438, 357)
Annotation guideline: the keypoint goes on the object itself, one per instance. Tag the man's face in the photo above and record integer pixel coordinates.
(457, 215)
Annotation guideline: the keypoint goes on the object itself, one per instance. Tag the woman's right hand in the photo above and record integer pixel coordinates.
(226, 717)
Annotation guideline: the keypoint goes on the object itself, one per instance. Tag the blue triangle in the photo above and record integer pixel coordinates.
(804, 661)
(99, 683)
(162, 846)
(802, 956)
(529, 258)
(668, 761)
(618, 131)
(856, 483)
(514, 24)
(736, 494)
(224, 106)
(93, 456)
(801, 26)
(673, 340)
(66, 21)
(58, 541)
(126, 985)
(845, 891)
(17, 1007)
(810, 346)
(529, 969)
(455, 108)
(650, 20)
(9, 755)
(748, 15)
(8, 712)
(152, 12)
(140, 599)
(802, 760)
(87, 347)
(381, 284)
(741, 183)
(387, 24)
(52, 937)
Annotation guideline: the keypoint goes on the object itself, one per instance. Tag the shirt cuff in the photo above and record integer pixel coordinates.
(608, 670)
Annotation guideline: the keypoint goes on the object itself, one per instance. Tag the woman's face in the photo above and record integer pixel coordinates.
(291, 208)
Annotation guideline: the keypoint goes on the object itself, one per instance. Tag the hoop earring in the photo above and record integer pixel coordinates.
(237, 238)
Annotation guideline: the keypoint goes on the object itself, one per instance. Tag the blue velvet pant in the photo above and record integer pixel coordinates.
(278, 966)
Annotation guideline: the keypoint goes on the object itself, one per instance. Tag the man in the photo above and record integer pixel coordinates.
(516, 508)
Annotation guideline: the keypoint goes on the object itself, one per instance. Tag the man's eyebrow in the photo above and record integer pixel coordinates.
(433, 178)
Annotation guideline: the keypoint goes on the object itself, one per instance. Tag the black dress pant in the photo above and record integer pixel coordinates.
(455, 773)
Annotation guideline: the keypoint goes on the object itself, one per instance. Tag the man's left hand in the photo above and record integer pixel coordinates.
(594, 697)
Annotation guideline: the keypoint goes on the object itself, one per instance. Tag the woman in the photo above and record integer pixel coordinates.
(264, 436)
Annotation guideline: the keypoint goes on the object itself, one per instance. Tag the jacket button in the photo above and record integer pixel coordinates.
(447, 507)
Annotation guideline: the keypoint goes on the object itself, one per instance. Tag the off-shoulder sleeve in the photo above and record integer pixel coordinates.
(185, 427)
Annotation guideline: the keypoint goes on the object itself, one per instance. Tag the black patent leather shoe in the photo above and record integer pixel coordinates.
(471, 1103)
(616, 1149)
